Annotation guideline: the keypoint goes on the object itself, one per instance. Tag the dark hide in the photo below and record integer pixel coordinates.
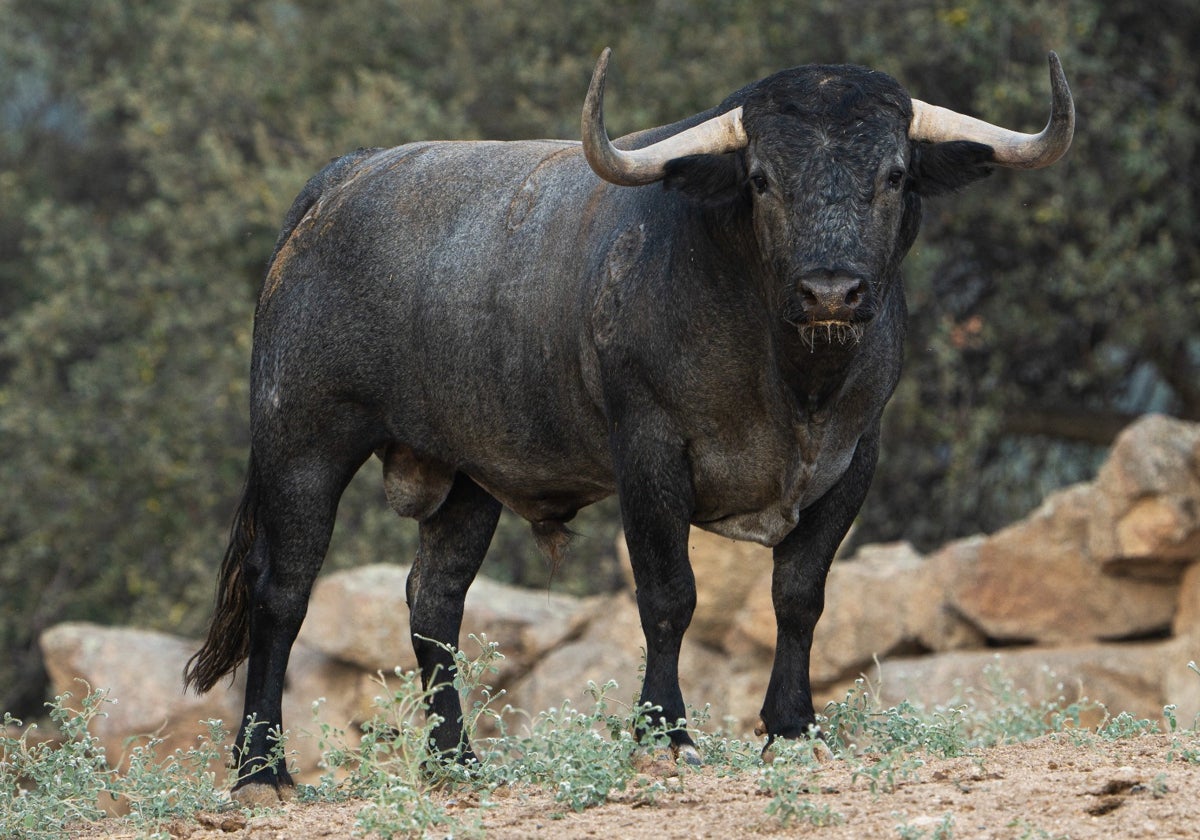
(501, 327)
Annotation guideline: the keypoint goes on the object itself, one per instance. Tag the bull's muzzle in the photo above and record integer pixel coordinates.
(830, 297)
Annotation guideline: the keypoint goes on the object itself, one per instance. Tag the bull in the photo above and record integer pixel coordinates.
(705, 318)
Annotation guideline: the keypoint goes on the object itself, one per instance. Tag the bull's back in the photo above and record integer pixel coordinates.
(439, 284)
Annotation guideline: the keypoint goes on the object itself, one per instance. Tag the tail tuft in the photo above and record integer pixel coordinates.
(228, 641)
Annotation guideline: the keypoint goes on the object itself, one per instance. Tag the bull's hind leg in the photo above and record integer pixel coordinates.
(453, 542)
(295, 520)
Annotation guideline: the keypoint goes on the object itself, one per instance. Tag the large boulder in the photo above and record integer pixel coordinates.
(142, 671)
(1152, 478)
(1037, 580)
(727, 572)
(1122, 677)
(611, 647)
(360, 616)
(884, 600)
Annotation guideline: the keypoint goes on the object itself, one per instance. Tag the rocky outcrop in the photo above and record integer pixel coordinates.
(360, 617)
(142, 672)
(1096, 594)
(1043, 579)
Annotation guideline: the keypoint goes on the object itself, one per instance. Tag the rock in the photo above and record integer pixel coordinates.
(1187, 616)
(1153, 456)
(360, 616)
(611, 647)
(345, 694)
(1156, 537)
(937, 624)
(524, 622)
(1036, 581)
(883, 600)
(142, 671)
(728, 572)
(868, 602)
(1152, 479)
(1124, 677)
(1181, 679)
(751, 635)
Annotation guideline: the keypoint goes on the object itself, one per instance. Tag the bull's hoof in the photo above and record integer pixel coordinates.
(664, 762)
(659, 762)
(688, 754)
(821, 751)
(263, 795)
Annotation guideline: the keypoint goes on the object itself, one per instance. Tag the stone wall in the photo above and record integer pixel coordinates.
(1096, 594)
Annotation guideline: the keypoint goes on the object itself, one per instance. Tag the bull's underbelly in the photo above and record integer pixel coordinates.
(755, 494)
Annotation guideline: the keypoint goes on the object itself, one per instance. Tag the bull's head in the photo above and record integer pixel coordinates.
(831, 163)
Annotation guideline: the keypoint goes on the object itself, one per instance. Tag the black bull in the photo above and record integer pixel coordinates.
(503, 327)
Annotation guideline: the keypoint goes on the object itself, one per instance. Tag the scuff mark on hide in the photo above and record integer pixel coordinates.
(621, 258)
(526, 196)
(392, 159)
(332, 198)
(279, 265)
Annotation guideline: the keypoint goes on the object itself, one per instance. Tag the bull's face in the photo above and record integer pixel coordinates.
(832, 183)
(828, 165)
(826, 178)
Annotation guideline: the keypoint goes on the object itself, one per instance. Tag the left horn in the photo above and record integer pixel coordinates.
(645, 166)
(1010, 148)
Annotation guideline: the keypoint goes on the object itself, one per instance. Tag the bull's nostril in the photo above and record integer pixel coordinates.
(831, 296)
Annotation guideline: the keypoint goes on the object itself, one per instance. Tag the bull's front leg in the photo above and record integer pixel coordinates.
(802, 563)
(655, 489)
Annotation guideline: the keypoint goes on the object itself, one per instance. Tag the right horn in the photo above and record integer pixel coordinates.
(1011, 148)
(633, 168)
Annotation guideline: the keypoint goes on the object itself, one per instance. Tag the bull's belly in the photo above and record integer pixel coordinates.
(767, 527)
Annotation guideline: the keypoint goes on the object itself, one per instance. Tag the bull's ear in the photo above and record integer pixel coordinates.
(712, 180)
(939, 168)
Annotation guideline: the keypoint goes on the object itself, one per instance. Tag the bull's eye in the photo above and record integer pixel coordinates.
(896, 178)
(759, 182)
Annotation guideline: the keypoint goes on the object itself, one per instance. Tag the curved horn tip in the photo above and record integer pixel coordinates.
(601, 69)
(1058, 77)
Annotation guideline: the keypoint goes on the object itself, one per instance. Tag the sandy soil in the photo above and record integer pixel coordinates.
(1047, 788)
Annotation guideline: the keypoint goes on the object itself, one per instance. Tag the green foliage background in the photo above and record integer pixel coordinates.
(148, 151)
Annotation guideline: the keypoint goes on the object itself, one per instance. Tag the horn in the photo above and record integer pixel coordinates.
(645, 166)
(1010, 148)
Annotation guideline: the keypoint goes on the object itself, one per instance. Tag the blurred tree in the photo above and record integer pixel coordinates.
(149, 150)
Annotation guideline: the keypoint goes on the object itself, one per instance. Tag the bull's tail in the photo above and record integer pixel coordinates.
(228, 641)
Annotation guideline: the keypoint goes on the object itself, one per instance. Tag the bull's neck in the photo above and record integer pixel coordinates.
(814, 373)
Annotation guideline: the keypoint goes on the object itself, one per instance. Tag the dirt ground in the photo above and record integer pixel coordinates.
(1051, 787)
(1047, 788)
